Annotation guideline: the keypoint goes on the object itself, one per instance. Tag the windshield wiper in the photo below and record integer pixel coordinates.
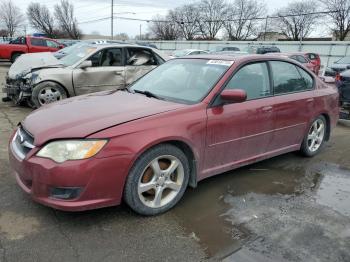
(124, 89)
(147, 93)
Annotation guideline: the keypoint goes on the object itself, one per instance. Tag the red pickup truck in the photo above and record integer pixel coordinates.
(28, 44)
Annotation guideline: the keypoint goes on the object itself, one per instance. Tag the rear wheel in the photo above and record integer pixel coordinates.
(157, 180)
(46, 93)
(314, 139)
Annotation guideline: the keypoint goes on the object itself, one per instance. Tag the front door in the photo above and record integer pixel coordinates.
(237, 133)
(107, 72)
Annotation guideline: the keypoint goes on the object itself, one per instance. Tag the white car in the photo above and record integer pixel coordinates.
(186, 52)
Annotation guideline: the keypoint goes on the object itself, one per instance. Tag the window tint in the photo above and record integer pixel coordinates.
(309, 81)
(38, 42)
(51, 44)
(252, 78)
(286, 78)
(140, 56)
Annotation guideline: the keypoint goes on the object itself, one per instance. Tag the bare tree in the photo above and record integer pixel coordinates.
(240, 24)
(10, 16)
(164, 29)
(294, 21)
(64, 14)
(187, 18)
(211, 17)
(340, 17)
(41, 19)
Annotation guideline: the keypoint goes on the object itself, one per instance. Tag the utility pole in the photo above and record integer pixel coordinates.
(140, 31)
(267, 17)
(112, 19)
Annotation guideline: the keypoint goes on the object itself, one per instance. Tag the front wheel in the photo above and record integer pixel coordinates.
(46, 93)
(157, 181)
(314, 139)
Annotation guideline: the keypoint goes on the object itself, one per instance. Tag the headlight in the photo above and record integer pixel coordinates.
(61, 151)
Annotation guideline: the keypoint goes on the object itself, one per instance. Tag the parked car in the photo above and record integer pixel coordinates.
(90, 68)
(302, 58)
(186, 52)
(221, 48)
(260, 49)
(316, 60)
(338, 67)
(187, 120)
(342, 82)
(28, 44)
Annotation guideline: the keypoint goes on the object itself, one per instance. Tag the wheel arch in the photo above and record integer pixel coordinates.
(185, 148)
(56, 82)
(328, 126)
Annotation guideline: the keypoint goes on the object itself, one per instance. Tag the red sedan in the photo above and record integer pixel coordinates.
(187, 120)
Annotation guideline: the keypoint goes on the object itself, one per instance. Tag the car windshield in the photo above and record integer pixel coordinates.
(344, 60)
(182, 80)
(179, 53)
(79, 53)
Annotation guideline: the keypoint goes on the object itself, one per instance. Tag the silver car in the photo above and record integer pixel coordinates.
(91, 68)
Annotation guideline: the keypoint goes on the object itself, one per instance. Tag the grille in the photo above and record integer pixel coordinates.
(22, 142)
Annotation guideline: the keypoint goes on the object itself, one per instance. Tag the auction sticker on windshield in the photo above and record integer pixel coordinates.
(220, 62)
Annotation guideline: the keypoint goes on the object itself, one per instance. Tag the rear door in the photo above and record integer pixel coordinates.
(107, 72)
(293, 89)
(139, 61)
(240, 132)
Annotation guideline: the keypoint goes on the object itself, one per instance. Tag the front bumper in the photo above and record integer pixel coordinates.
(100, 180)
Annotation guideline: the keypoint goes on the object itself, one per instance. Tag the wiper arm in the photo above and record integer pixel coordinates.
(147, 93)
(124, 89)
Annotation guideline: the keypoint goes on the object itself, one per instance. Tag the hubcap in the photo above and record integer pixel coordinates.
(316, 135)
(161, 181)
(48, 95)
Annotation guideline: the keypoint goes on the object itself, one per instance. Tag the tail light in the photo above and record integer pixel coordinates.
(338, 77)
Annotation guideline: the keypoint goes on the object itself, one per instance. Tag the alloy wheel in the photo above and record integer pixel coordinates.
(48, 95)
(161, 181)
(316, 135)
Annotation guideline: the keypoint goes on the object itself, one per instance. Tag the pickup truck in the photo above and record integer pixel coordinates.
(28, 44)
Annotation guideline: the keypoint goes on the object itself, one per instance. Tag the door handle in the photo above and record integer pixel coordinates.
(267, 109)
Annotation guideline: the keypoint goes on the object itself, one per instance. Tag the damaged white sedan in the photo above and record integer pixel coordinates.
(39, 79)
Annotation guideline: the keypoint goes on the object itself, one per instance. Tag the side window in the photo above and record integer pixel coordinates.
(254, 79)
(112, 57)
(312, 56)
(301, 59)
(140, 56)
(309, 81)
(95, 59)
(195, 53)
(51, 44)
(38, 42)
(18, 41)
(286, 78)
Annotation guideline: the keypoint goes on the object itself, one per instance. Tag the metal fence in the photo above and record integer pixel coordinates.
(329, 51)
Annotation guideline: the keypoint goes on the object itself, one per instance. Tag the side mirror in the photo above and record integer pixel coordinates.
(85, 64)
(233, 96)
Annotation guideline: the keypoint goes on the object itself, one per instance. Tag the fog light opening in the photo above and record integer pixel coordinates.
(65, 193)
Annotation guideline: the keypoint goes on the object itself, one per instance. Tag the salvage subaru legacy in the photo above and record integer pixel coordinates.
(189, 119)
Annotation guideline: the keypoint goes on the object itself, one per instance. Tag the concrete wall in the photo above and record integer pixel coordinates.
(329, 51)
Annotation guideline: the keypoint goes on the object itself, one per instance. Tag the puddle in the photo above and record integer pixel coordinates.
(334, 190)
(283, 212)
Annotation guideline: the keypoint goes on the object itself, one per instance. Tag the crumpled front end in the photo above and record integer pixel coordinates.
(19, 90)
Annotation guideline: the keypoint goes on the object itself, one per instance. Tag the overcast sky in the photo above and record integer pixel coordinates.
(86, 10)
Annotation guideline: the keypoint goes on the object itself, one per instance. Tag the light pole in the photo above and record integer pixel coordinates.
(112, 20)
(140, 31)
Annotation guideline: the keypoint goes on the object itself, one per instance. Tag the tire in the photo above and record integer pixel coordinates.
(144, 184)
(46, 93)
(14, 57)
(315, 137)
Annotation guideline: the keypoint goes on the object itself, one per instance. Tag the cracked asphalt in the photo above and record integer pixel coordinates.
(288, 208)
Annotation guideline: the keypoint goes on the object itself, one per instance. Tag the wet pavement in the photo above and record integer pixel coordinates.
(288, 208)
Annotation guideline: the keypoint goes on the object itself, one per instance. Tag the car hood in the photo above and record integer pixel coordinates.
(27, 63)
(84, 115)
